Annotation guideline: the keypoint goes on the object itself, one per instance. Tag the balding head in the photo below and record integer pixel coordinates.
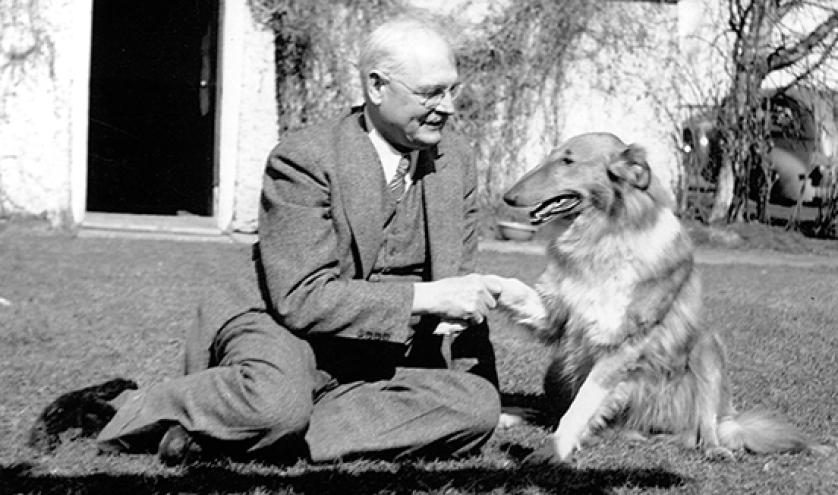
(395, 45)
(410, 80)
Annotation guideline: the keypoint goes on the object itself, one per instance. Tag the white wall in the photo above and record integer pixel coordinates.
(38, 61)
(625, 87)
(248, 120)
(44, 79)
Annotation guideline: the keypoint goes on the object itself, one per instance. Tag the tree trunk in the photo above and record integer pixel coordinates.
(735, 141)
(741, 120)
(724, 192)
(744, 130)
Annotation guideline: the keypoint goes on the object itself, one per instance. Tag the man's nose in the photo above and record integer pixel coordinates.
(447, 104)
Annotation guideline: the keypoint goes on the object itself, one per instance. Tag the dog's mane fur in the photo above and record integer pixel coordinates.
(620, 304)
(631, 232)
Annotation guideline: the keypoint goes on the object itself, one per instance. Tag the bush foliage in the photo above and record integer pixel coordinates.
(510, 62)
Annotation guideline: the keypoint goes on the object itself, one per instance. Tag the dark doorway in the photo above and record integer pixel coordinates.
(152, 107)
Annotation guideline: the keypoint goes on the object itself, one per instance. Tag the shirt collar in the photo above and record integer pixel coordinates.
(387, 154)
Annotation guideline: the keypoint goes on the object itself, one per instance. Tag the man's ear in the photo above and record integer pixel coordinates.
(375, 82)
(631, 167)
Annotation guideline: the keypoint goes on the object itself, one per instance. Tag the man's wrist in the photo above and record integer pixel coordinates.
(423, 298)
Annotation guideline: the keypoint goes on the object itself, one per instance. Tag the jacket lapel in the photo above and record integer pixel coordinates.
(361, 184)
(442, 194)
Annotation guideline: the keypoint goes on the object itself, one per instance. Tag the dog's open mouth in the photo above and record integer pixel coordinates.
(557, 206)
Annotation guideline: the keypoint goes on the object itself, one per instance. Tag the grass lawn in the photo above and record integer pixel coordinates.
(76, 311)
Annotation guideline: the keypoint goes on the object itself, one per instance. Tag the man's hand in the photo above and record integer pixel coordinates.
(519, 300)
(468, 298)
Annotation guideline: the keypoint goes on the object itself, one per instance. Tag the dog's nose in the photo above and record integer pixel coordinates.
(511, 198)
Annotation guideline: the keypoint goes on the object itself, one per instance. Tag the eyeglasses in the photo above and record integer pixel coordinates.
(433, 97)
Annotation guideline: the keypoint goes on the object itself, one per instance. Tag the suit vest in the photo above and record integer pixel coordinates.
(403, 254)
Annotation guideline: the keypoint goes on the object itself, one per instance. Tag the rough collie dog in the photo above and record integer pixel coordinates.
(619, 303)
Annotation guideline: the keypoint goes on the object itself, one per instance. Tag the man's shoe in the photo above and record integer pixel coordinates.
(177, 447)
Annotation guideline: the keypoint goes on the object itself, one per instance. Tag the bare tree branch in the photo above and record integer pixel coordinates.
(737, 17)
(784, 8)
(787, 56)
(809, 70)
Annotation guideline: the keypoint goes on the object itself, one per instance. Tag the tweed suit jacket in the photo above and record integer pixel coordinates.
(321, 221)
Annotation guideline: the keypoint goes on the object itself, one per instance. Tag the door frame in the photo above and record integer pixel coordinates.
(231, 18)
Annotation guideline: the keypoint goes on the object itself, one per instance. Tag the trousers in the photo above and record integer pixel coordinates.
(258, 387)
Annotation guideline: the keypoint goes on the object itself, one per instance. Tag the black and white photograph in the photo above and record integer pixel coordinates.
(419, 246)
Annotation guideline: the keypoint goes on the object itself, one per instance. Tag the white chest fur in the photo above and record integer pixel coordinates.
(596, 281)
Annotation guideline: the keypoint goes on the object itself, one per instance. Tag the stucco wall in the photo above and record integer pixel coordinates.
(257, 121)
(625, 84)
(332, 89)
(36, 89)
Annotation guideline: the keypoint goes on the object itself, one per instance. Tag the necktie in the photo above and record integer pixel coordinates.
(396, 184)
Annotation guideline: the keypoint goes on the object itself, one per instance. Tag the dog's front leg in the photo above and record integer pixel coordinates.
(520, 301)
(524, 306)
(593, 400)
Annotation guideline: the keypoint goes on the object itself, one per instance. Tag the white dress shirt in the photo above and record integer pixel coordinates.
(387, 155)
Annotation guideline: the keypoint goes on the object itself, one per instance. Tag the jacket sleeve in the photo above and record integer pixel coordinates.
(300, 262)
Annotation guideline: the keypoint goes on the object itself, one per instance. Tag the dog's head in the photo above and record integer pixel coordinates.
(594, 172)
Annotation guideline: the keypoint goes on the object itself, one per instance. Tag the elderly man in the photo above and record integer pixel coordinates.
(366, 243)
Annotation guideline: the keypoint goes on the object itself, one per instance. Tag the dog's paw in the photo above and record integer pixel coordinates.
(568, 436)
(554, 451)
(719, 454)
(516, 297)
(545, 455)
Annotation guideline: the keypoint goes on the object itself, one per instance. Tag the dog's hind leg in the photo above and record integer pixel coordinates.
(712, 397)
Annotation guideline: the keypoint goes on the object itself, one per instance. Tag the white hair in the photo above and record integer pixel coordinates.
(380, 48)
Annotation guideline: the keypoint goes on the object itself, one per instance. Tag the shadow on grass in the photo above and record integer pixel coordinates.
(533, 408)
(20, 478)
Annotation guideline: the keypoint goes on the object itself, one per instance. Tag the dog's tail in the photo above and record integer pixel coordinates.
(762, 432)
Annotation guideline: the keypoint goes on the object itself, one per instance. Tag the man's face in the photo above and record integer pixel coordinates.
(399, 113)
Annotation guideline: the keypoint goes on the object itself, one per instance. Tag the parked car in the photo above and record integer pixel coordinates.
(804, 155)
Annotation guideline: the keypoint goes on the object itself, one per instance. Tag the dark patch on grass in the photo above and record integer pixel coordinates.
(532, 407)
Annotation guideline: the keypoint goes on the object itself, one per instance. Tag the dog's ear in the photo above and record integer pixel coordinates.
(631, 166)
